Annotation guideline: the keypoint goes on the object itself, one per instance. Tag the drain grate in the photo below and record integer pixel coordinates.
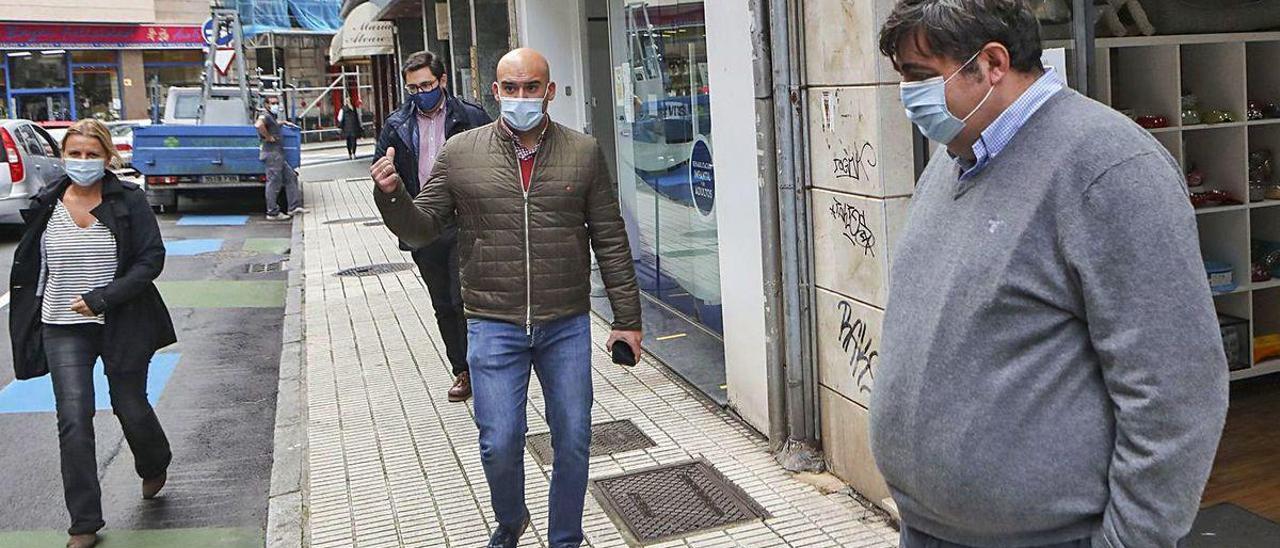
(350, 220)
(607, 438)
(262, 268)
(374, 269)
(675, 500)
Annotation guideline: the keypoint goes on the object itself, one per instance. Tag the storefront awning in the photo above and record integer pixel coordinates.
(362, 36)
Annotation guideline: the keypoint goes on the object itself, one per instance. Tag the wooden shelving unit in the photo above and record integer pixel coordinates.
(1149, 75)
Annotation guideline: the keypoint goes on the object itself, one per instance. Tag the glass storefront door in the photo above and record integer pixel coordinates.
(665, 175)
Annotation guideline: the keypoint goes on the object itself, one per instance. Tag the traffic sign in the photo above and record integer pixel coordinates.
(224, 34)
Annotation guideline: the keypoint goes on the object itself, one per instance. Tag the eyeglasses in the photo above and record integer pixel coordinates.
(412, 89)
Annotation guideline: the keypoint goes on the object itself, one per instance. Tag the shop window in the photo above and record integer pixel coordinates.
(666, 177)
(97, 93)
(4, 92)
(35, 70)
(195, 56)
(95, 57)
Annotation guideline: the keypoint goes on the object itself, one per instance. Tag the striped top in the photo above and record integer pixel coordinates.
(78, 260)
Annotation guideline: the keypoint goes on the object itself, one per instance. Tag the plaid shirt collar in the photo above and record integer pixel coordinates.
(524, 153)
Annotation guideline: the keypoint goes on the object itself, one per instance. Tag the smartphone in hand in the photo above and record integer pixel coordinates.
(622, 354)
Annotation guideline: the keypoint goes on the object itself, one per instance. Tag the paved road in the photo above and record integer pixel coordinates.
(217, 406)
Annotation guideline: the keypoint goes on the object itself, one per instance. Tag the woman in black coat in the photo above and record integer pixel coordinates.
(82, 289)
(349, 123)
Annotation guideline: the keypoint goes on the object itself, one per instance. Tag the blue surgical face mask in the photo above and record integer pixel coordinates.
(274, 109)
(84, 172)
(926, 104)
(523, 114)
(426, 101)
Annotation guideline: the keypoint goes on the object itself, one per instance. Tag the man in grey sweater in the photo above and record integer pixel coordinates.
(1053, 372)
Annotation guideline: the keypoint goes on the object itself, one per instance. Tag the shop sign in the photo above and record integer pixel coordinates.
(43, 35)
(702, 177)
(372, 38)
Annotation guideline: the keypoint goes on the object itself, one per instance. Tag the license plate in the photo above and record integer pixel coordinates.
(220, 179)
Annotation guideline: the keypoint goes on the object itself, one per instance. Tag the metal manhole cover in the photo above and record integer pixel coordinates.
(674, 501)
(262, 268)
(607, 438)
(350, 220)
(374, 269)
(374, 223)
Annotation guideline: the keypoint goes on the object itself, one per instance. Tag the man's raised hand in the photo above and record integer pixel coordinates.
(384, 172)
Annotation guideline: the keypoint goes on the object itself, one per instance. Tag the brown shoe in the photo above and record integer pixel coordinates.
(461, 390)
(82, 541)
(151, 487)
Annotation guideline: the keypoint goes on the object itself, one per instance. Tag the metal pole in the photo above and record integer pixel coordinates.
(241, 68)
(1082, 35)
(775, 328)
(792, 219)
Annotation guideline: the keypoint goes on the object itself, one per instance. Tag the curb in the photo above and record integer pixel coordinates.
(285, 509)
(334, 145)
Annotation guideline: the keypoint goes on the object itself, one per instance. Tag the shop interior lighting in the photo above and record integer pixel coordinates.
(52, 51)
(19, 54)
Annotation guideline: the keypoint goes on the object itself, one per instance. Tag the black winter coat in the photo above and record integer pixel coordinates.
(401, 131)
(351, 122)
(137, 321)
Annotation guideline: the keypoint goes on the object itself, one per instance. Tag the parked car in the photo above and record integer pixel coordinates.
(29, 160)
(122, 137)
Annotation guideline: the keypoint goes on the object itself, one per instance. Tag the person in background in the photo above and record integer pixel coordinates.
(82, 289)
(1053, 373)
(280, 175)
(418, 131)
(349, 122)
(532, 200)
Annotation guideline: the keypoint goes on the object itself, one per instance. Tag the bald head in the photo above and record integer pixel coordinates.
(524, 73)
(524, 62)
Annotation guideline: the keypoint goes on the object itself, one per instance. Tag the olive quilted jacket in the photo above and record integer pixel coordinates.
(524, 256)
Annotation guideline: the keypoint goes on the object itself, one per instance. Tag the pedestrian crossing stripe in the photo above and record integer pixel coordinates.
(202, 537)
(187, 248)
(36, 395)
(213, 220)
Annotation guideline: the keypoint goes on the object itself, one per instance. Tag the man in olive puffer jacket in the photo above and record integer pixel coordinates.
(531, 199)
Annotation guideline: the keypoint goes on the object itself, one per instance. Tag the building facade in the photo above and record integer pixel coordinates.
(72, 60)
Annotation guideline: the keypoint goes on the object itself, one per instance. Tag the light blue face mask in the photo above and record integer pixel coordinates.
(926, 104)
(522, 114)
(85, 172)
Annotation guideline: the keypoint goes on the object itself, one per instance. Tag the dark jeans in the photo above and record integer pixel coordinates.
(438, 263)
(502, 356)
(915, 538)
(351, 144)
(72, 351)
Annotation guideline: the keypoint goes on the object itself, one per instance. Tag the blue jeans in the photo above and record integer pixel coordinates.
(501, 356)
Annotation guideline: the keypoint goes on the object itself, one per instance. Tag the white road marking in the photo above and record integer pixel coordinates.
(4, 299)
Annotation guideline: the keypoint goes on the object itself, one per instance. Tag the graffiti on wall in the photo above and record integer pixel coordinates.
(855, 164)
(856, 229)
(858, 346)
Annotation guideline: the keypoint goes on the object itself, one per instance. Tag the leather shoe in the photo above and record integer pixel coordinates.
(82, 541)
(504, 537)
(461, 390)
(151, 487)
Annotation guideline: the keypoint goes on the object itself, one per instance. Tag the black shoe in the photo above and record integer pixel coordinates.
(506, 538)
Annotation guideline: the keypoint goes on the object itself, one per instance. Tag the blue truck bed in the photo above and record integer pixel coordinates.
(181, 150)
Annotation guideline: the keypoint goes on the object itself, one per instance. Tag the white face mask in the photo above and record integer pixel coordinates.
(274, 109)
(85, 172)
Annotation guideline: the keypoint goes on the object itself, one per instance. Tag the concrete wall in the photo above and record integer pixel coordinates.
(79, 11)
(556, 28)
(861, 177)
(739, 222)
(181, 12)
